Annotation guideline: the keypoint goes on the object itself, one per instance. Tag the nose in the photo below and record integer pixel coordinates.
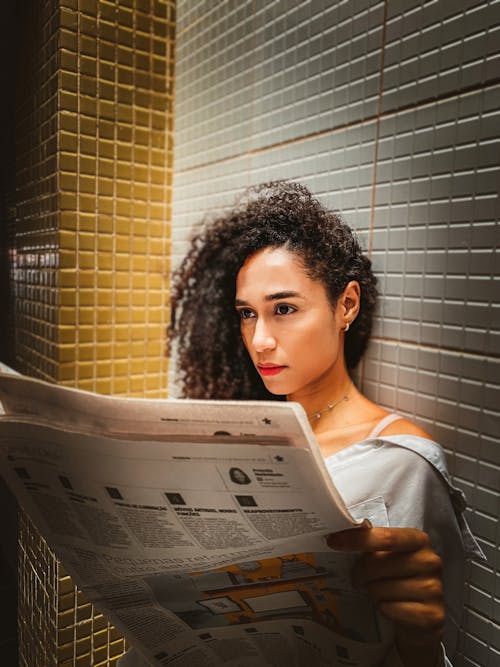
(262, 338)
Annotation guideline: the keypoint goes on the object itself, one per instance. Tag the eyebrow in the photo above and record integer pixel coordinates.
(272, 297)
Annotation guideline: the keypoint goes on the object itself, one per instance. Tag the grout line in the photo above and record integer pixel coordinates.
(371, 224)
(377, 133)
(436, 348)
(270, 147)
(339, 128)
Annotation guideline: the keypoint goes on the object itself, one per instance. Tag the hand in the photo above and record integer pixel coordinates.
(402, 574)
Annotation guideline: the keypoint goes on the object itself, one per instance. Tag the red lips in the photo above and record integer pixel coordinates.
(269, 369)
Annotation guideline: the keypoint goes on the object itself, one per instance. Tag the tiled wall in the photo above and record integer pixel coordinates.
(94, 154)
(91, 247)
(389, 111)
(34, 271)
(115, 155)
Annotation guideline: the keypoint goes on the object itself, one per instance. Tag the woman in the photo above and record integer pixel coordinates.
(275, 301)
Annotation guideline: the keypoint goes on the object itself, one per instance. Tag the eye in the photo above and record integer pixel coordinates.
(245, 313)
(284, 309)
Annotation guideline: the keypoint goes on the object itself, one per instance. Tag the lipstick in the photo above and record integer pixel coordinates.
(269, 369)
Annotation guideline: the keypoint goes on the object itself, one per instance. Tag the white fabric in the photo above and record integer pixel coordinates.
(384, 423)
(389, 480)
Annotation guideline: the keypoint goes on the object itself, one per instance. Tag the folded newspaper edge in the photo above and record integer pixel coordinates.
(195, 526)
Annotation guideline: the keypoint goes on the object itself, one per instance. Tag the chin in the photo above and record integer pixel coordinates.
(277, 389)
(275, 392)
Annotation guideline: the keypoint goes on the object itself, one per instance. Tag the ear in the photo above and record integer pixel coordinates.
(349, 302)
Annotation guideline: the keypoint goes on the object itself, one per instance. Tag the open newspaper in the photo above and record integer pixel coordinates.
(196, 527)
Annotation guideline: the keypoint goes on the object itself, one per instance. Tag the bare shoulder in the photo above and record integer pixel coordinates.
(405, 427)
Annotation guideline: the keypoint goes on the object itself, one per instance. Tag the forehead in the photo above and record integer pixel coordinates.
(274, 270)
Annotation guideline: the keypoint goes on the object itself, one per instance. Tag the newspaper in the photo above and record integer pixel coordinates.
(197, 527)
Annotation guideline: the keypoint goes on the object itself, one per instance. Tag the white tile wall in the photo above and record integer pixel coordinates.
(389, 112)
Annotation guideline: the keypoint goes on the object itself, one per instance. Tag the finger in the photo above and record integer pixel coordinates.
(415, 616)
(395, 565)
(378, 539)
(416, 589)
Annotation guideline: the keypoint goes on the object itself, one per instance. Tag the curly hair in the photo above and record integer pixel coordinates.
(205, 327)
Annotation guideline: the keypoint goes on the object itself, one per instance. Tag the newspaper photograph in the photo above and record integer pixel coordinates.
(197, 527)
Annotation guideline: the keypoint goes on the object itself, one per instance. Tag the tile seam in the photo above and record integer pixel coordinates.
(436, 348)
(339, 128)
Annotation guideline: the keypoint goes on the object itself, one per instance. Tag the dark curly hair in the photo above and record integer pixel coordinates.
(212, 359)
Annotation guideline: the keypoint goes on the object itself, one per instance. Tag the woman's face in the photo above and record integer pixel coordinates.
(289, 327)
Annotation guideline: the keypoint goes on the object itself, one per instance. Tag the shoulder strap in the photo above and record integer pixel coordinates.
(383, 423)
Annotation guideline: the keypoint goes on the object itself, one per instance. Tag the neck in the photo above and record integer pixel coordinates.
(327, 390)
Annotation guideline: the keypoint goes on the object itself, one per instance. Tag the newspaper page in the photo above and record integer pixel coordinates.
(197, 527)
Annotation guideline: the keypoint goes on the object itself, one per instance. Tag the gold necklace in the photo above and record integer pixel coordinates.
(330, 406)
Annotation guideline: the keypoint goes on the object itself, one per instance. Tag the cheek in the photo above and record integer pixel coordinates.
(318, 349)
